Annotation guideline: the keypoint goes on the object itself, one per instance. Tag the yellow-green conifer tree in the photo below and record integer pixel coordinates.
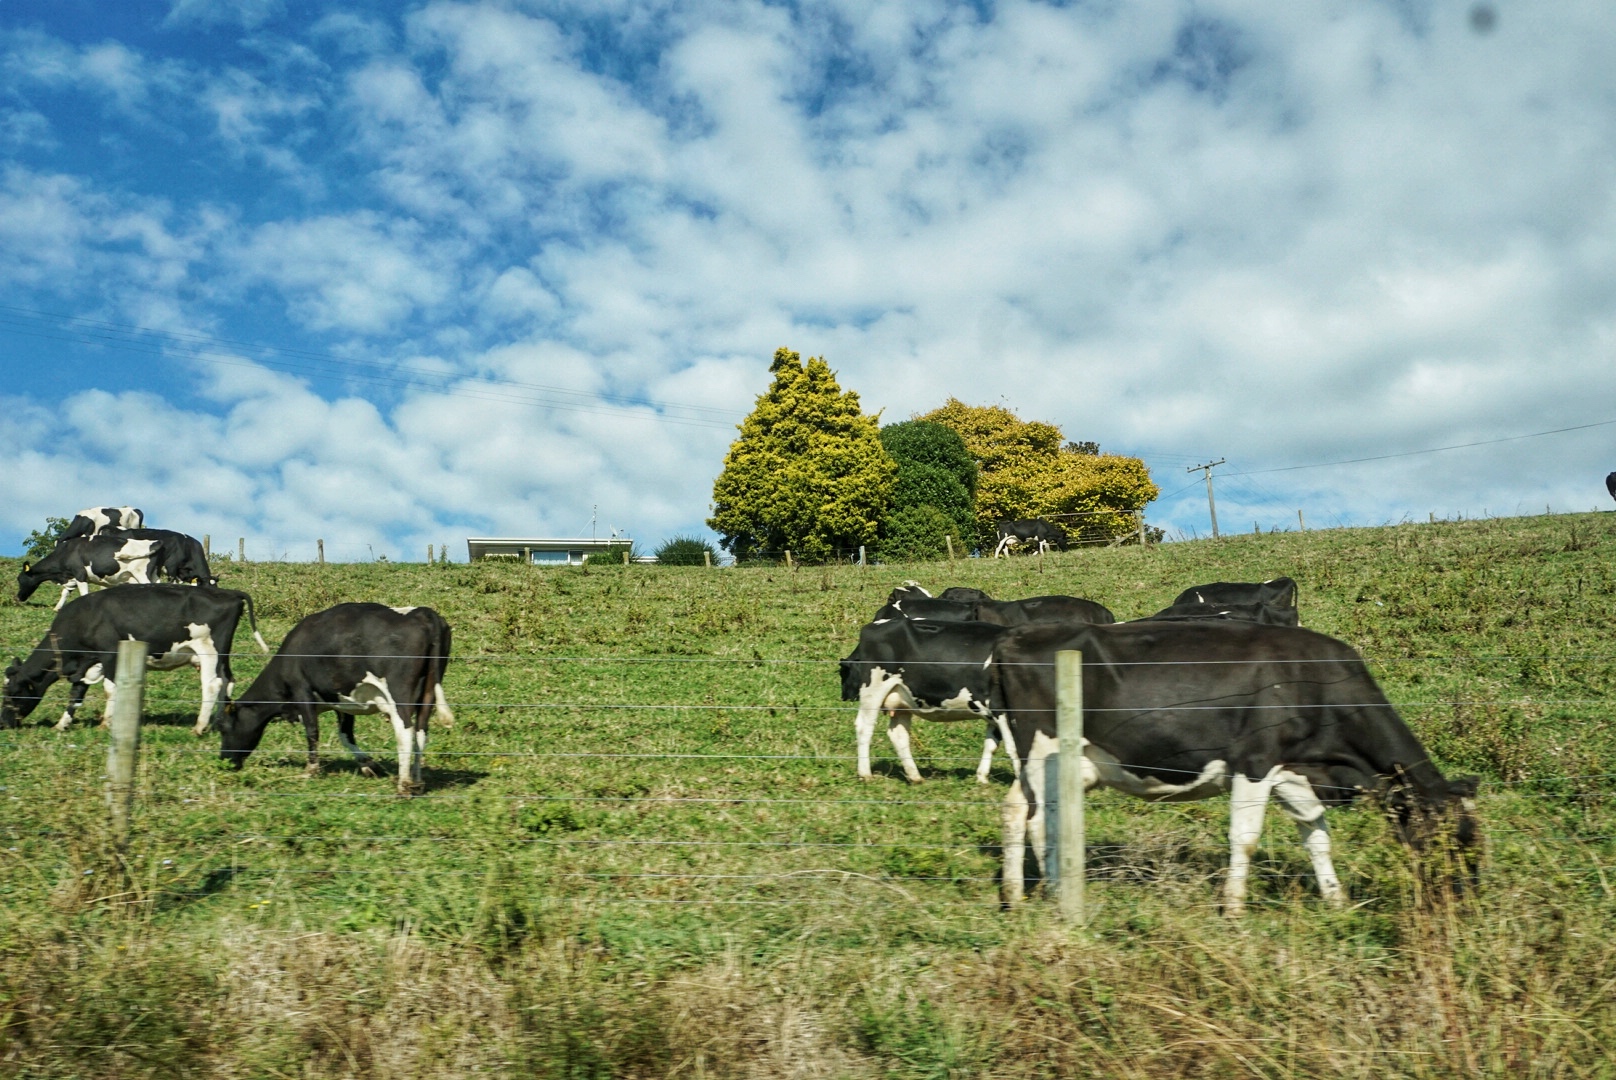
(808, 473)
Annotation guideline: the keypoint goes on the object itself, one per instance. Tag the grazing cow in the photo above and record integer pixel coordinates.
(907, 667)
(84, 561)
(1176, 711)
(1266, 614)
(1036, 533)
(180, 625)
(180, 557)
(1279, 592)
(998, 612)
(962, 592)
(352, 658)
(1610, 484)
(91, 520)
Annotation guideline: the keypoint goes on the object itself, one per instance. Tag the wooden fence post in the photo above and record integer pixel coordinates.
(1144, 538)
(241, 549)
(319, 551)
(1300, 524)
(124, 747)
(948, 538)
(207, 546)
(862, 563)
(625, 556)
(789, 564)
(1070, 859)
(707, 559)
(429, 554)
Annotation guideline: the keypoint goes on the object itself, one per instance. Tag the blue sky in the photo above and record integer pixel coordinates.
(390, 275)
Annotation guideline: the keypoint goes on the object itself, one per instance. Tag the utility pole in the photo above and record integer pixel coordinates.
(1211, 504)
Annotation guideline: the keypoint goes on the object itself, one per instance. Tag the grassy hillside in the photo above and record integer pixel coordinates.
(643, 851)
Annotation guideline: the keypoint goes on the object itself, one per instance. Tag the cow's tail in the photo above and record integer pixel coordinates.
(252, 620)
(440, 663)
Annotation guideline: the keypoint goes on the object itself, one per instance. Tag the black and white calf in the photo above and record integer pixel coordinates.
(932, 669)
(352, 658)
(1034, 533)
(180, 625)
(91, 520)
(1176, 711)
(109, 559)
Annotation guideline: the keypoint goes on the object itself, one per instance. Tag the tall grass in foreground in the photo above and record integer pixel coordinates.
(509, 923)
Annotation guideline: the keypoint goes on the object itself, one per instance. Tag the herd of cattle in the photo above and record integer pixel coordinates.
(1221, 691)
(352, 658)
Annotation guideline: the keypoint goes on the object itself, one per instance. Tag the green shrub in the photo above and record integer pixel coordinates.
(41, 542)
(685, 551)
(916, 533)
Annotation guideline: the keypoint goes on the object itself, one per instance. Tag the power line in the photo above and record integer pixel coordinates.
(151, 341)
(1429, 450)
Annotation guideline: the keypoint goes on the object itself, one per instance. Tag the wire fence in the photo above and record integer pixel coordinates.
(614, 825)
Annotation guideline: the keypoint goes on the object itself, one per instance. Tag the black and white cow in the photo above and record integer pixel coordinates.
(1175, 711)
(91, 520)
(1277, 592)
(180, 625)
(352, 658)
(905, 603)
(180, 558)
(1034, 533)
(963, 592)
(1610, 484)
(108, 559)
(908, 667)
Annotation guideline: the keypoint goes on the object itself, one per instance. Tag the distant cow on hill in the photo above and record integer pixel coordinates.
(1610, 484)
(1034, 533)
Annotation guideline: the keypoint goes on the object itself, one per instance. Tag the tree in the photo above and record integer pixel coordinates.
(807, 474)
(1028, 470)
(935, 472)
(41, 542)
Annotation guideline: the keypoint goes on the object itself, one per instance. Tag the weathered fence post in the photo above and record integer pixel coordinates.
(241, 549)
(948, 538)
(625, 556)
(789, 564)
(207, 546)
(707, 559)
(319, 551)
(429, 554)
(124, 746)
(1070, 859)
(1144, 538)
(862, 562)
(1300, 524)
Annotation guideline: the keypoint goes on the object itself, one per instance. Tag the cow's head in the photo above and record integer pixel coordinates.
(23, 691)
(1440, 827)
(27, 581)
(241, 728)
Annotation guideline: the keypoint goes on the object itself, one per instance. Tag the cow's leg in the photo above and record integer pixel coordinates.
(207, 665)
(345, 732)
(409, 767)
(1002, 722)
(870, 698)
(441, 711)
(898, 732)
(1248, 799)
(1033, 774)
(309, 713)
(61, 601)
(990, 743)
(110, 689)
(75, 698)
(1299, 801)
(1012, 881)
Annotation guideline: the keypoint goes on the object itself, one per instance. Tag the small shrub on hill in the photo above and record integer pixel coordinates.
(685, 551)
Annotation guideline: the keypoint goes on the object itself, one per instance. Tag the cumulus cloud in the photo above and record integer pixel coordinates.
(1284, 237)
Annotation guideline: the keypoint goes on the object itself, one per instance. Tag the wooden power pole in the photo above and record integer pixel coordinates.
(1211, 503)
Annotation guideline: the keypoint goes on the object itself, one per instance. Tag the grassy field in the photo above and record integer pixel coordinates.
(643, 850)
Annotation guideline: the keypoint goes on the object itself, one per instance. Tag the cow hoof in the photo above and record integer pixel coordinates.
(916, 779)
(368, 770)
(409, 791)
(312, 769)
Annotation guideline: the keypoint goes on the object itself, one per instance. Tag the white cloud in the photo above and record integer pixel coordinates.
(1277, 235)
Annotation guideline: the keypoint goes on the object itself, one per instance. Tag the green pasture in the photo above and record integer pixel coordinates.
(643, 850)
